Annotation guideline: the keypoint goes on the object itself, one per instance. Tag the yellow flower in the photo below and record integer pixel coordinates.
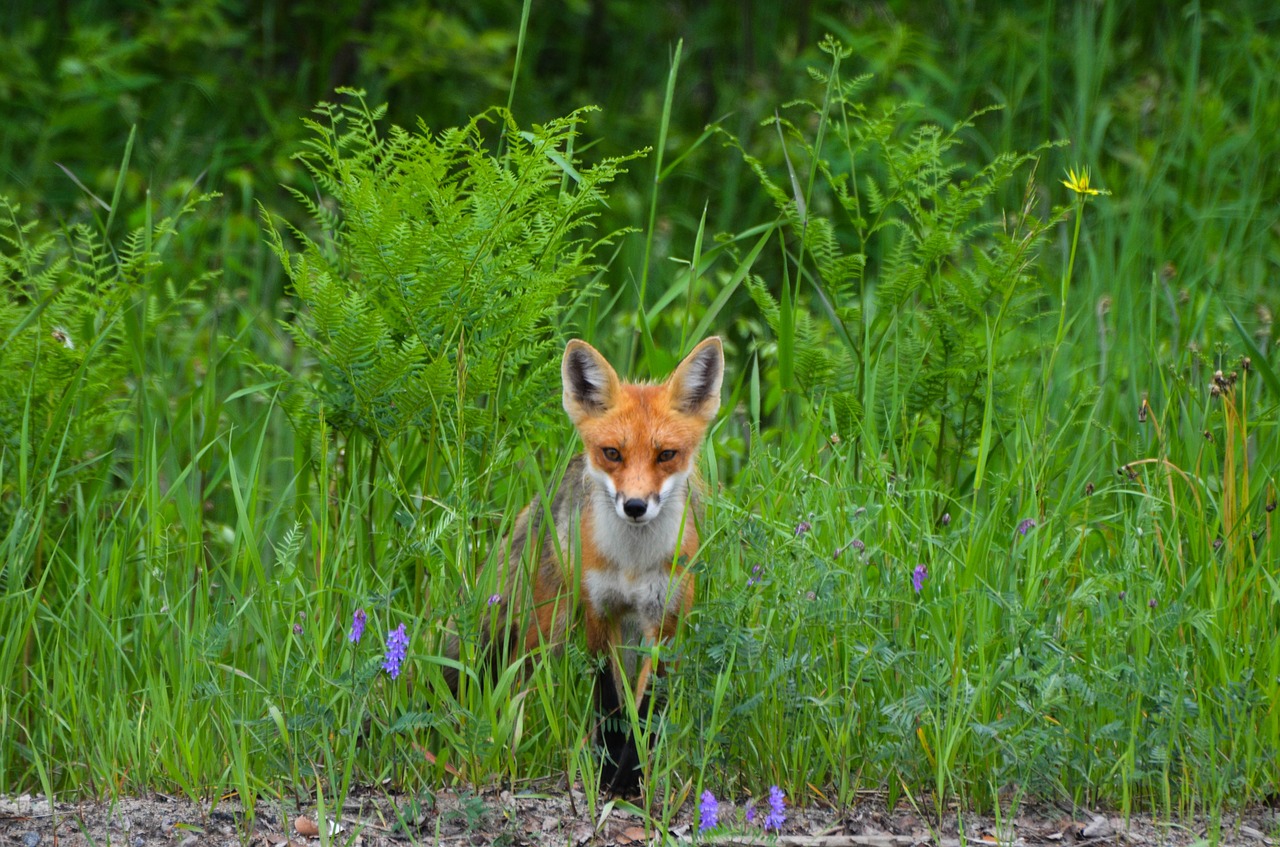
(1079, 183)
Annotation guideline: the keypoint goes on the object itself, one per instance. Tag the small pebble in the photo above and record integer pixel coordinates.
(31, 839)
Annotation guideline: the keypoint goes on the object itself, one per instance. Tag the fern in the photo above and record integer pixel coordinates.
(428, 291)
(65, 345)
(912, 269)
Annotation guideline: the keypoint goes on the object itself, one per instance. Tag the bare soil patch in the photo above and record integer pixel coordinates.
(547, 814)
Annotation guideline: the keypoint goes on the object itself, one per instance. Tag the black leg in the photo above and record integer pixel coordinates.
(621, 764)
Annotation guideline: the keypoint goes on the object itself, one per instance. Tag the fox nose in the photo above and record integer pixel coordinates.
(635, 507)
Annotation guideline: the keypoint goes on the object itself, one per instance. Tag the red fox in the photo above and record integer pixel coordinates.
(622, 520)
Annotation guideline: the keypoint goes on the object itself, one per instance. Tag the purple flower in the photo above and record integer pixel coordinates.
(777, 811)
(946, 518)
(751, 814)
(708, 812)
(495, 599)
(1026, 526)
(397, 647)
(358, 620)
(918, 576)
(802, 528)
(1152, 603)
(297, 629)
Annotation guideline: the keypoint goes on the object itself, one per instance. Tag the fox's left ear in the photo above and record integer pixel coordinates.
(695, 385)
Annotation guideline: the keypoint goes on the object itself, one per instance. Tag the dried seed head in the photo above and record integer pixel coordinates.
(1245, 364)
(1208, 436)
(1088, 490)
(1214, 390)
(1142, 411)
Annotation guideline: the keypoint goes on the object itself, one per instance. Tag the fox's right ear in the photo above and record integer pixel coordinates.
(590, 383)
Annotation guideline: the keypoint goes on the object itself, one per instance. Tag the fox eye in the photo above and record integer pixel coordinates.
(612, 454)
(666, 455)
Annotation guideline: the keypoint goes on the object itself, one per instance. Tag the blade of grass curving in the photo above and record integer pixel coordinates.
(120, 178)
(711, 129)
(739, 274)
(651, 229)
(515, 70)
(693, 278)
(984, 439)
(94, 197)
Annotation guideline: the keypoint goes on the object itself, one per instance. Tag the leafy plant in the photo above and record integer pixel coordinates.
(916, 276)
(76, 313)
(428, 297)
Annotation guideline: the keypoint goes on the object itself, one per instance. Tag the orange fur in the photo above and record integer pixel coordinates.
(627, 509)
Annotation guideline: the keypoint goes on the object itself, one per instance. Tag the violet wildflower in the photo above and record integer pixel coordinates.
(802, 528)
(777, 811)
(946, 518)
(1026, 526)
(297, 629)
(751, 814)
(494, 599)
(708, 812)
(397, 648)
(358, 620)
(1152, 603)
(918, 576)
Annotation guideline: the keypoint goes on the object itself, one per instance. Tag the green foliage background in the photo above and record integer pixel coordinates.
(264, 363)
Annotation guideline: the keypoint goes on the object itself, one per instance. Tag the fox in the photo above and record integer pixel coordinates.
(624, 523)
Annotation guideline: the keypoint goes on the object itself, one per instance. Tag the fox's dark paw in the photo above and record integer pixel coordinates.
(621, 759)
(620, 763)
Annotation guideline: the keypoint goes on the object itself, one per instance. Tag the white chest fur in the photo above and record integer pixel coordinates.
(637, 579)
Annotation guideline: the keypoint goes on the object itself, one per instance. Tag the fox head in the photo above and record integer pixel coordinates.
(641, 440)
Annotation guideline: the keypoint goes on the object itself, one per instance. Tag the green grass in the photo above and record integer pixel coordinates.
(179, 564)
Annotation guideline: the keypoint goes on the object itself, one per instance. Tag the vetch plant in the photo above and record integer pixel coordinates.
(918, 576)
(358, 621)
(777, 809)
(708, 812)
(397, 649)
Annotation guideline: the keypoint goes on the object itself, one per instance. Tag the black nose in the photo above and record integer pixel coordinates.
(635, 507)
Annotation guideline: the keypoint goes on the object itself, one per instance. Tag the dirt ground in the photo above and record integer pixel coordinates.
(546, 814)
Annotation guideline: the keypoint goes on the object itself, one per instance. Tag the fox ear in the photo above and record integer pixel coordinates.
(695, 385)
(590, 383)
